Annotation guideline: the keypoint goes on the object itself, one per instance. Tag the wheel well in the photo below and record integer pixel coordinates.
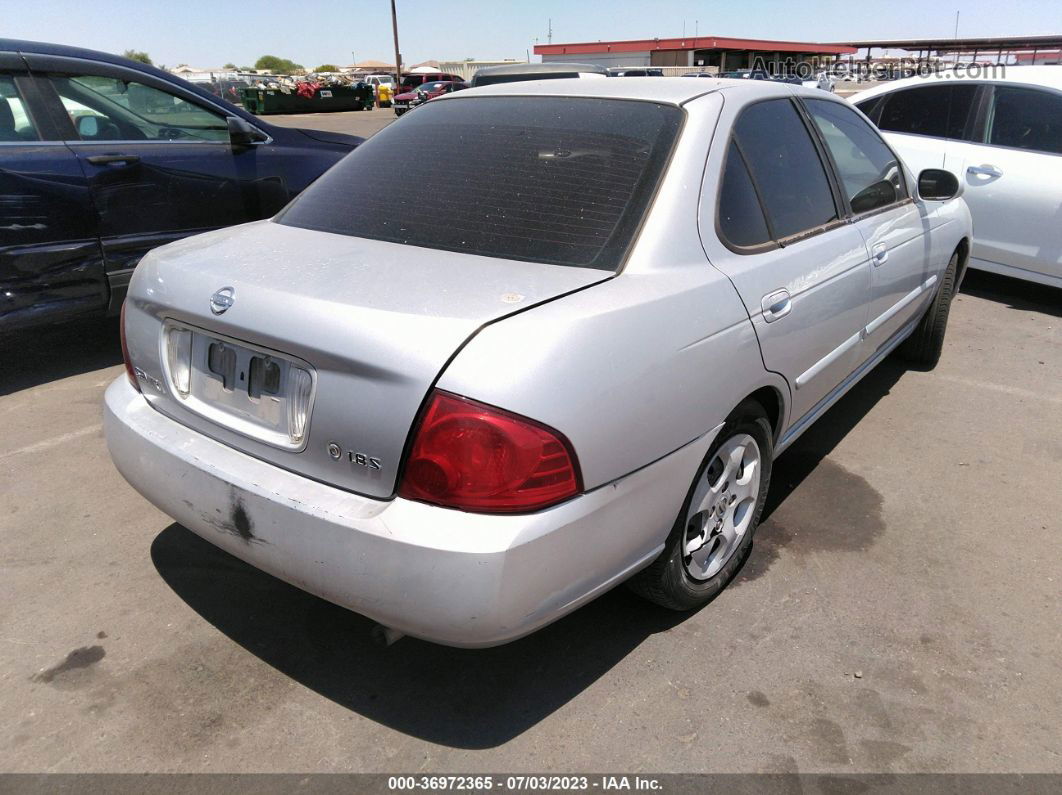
(771, 401)
(963, 250)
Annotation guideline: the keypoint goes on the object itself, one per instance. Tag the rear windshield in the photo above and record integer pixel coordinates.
(544, 179)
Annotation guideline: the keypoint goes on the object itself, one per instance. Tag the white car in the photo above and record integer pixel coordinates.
(821, 81)
(1002, 136)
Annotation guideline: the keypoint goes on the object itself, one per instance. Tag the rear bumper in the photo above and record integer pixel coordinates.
(451, 577)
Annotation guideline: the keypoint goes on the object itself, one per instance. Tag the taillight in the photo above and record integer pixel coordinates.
(125, 350)
(479, 458)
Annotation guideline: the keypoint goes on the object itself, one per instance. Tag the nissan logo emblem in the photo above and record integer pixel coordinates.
(222, 300)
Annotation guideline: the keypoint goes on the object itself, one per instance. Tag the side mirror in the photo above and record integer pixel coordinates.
(938, 185)
(88, 126)
(241, 133)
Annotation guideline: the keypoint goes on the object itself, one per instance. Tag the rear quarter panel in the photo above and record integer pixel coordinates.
(629, 370)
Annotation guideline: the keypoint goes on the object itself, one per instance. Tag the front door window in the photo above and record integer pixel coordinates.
(104, 108)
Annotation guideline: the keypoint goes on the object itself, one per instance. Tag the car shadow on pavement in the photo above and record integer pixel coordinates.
(42, 355)
(793, 466)
(456, 697)
(465, 698)
(1015, 293)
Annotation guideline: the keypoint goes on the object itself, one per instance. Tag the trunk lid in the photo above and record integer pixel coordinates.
(373, 322)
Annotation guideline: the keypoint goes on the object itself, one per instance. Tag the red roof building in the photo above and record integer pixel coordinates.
(693, 52)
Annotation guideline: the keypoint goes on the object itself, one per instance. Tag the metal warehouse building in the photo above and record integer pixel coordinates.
(693, 52)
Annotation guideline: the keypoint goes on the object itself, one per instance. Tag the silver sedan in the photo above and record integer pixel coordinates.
(466, 396)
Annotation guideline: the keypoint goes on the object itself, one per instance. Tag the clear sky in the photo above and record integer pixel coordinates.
(209, 33)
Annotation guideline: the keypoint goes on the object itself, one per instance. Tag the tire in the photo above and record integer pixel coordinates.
(679, 580)
(924, 346)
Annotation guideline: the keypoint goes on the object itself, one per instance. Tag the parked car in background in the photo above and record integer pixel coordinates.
(583, 375)
(700, 74)
(822, 81)
(1002, 137)
(516, 73)
(424, 92)
(412, 80)
(102, 159)
(638, 71)
(744, 74)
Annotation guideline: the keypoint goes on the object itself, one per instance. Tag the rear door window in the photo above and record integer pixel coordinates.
(544, 179)
(1025, 118)
(785, 167)
(868, 169)
(939, 111)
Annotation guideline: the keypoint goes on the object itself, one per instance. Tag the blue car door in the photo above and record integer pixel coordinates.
(51, 263)
(158, 159)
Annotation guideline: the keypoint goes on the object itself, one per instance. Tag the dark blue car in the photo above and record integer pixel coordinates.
(102, 159)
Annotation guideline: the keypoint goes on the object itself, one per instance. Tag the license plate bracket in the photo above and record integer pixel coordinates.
(247, 388)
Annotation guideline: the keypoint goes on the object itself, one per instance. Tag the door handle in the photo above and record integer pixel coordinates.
(103, 160)
(880, 253)
(985, 170)
(776, 305)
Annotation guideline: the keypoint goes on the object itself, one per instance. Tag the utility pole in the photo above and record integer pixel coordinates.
(549, 37)
(398, 55)
(956, 34)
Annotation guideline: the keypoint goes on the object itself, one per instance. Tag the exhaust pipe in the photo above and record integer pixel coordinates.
(385, 636)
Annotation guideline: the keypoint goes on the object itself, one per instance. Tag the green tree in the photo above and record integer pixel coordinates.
(327, 67)
(278, 65)
(229, 65)
(137, 55)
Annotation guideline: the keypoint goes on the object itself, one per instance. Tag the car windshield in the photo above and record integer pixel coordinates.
(544, 179)
(433, 86)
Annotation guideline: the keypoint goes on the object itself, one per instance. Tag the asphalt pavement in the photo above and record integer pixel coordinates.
(900, 611)
(354, 122)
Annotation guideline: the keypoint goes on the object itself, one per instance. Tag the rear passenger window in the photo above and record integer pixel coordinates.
(785, 167)
(939, 111)
(741, 220)
(1026, 118)
(867, 167)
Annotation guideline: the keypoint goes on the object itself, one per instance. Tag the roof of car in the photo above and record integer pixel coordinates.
(45, 48)
(1050, 76)
(668, 90)
(66, 51)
